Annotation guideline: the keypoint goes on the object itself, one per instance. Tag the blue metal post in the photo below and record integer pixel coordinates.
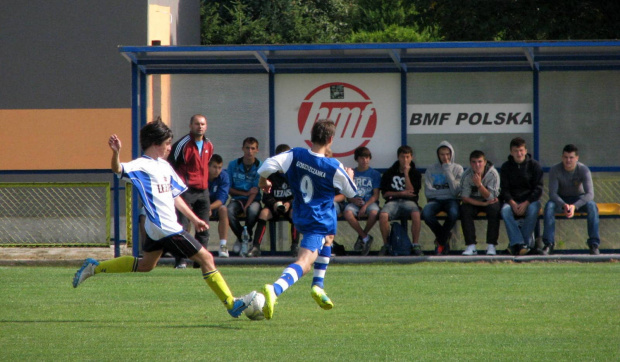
(403, 107)
(136, 105)
(272, 147)
(536, 115)
(117, 218)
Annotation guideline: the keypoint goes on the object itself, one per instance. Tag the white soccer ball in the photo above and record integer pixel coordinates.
(255, 310)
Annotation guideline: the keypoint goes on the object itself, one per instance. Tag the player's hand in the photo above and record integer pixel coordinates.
(115, 143)
(350, 172)
(264, 185)
(570, 211)
(490, 202)
(200, 225)
(363, 210)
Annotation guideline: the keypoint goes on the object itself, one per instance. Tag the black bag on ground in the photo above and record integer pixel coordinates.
(399, 240)
(338, 249)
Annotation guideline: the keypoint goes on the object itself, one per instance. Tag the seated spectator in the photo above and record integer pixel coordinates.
(366, 201)
(521, 188)
(442, 189)
(401, 185)
(570, 190)
(479, 192)
(244, 192)
(278, 204)
(219, 186)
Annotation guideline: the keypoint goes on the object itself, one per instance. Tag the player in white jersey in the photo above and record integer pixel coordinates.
(159, 187)
(314, 179)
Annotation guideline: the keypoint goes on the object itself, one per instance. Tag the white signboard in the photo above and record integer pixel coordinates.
(469, 118)
(365, 108)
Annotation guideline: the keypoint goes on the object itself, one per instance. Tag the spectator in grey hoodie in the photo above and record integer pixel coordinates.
(479, 191)
(442, 189)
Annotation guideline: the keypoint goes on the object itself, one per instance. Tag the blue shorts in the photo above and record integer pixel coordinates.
(312, 242)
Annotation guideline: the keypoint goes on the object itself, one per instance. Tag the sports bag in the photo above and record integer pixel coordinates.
(399, 240)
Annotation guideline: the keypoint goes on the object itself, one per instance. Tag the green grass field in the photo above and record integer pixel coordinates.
(426, 311)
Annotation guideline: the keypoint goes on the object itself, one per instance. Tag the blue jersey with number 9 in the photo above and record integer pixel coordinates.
(314, 179)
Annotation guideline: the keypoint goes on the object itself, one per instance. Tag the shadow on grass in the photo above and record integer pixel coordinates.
(146, 324)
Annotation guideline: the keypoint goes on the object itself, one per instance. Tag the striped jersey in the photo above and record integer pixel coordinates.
(158, 185)
(314, 179)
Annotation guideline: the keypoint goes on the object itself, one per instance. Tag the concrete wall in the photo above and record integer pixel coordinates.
(65, 87)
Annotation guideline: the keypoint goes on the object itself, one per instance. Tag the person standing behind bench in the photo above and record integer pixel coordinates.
(570, 190)
(442, 190)
(521, 187)
(190, 159)
(479, 192)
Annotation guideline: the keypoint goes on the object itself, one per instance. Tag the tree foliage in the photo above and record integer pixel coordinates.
(355, 21)
(484, 20)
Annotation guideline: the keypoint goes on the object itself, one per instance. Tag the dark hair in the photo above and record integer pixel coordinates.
(250, 140)
(517, 142)
(404, 149)
(476, 155)
(215, 159)
(571, 148)
(154, 133)
(362, 152)
(191, 120)
(322, 131)
(282, 148)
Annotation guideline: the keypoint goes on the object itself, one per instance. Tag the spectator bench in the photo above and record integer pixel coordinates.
(606, 211)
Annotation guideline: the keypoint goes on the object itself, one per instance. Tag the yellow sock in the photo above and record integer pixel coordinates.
(216, 282)
(123, 264)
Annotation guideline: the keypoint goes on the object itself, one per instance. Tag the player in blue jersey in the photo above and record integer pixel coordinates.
(159, 187)
(314, 179)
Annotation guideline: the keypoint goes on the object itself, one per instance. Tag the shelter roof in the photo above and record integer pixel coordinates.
(378, 57)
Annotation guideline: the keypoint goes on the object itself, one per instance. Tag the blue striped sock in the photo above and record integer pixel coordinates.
(320, 265)
(289, 276)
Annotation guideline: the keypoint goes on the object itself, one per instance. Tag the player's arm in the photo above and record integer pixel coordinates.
(344, 183)
(280, 162)
(115, 145)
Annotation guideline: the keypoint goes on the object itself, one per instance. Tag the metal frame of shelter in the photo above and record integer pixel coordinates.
(400, 58)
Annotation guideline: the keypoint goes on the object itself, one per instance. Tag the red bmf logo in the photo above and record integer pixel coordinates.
(345, 104)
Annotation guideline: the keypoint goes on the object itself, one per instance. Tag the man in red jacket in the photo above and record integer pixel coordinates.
(190, 159)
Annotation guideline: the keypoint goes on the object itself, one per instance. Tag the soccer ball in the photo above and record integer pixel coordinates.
(255, 310)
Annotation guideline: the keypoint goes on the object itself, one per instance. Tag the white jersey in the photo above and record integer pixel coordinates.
(158, 185)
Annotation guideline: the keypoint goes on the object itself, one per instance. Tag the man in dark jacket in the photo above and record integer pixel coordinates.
(521, 187)
(401, 185)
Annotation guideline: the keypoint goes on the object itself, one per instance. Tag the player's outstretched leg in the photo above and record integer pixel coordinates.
(320, 268)
(86, 271)
(241, 304)
(122, 264)
(289, 276)
(235, 306)
(319, 296)
(270, 300)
